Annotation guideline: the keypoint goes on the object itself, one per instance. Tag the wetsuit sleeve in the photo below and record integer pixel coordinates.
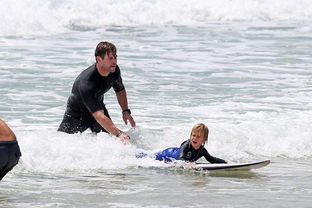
(87, 93)
(117, 83)
(210, 158)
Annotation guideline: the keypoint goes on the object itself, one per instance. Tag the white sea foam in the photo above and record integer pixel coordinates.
(47, 150)
(252, 136)
(42, 17)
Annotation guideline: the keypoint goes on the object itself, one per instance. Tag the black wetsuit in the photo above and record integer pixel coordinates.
(9, 156)
(86, 98)
(188, 153)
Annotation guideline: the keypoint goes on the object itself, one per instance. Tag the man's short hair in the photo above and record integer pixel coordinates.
(104, 48)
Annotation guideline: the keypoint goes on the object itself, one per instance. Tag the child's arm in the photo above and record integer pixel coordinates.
(210, 158)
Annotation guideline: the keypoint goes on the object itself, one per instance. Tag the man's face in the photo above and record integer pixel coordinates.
(109, 62)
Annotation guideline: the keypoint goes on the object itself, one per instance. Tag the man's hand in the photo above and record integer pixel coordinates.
(124, 138)
(127, 117)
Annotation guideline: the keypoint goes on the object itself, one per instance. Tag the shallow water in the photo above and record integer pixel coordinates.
(283, 183)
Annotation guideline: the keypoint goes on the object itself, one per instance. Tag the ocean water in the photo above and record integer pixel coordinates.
(241, 67)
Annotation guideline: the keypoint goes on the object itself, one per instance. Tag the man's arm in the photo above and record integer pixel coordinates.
(123, 102)
(109, 126)
(6, 134)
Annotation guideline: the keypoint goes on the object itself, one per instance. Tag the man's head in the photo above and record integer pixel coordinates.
(106, 58)
(104, 48)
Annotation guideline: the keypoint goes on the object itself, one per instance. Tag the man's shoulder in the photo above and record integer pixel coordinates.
(90, 70)
(87, 73)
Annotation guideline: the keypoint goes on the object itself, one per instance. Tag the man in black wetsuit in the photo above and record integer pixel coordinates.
(9, 149)
(85, 107)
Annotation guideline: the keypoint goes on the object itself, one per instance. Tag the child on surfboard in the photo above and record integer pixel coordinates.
(190, 150)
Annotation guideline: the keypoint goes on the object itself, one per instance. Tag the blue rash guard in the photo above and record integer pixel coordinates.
(186, 152)
(86, 98)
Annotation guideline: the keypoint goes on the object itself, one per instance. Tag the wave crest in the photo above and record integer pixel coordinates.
(54, 16)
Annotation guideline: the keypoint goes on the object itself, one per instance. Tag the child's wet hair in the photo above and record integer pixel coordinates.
(202, 128)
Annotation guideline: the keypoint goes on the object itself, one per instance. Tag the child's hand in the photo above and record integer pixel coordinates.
(190, 165)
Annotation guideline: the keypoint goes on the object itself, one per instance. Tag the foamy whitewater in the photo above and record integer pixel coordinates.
(241, 67)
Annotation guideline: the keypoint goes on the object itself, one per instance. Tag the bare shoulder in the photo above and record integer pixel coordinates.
(6, 134)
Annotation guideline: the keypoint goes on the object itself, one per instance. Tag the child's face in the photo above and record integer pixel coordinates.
(197, 139)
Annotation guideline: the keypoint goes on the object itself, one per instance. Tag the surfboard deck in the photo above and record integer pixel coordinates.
(233, 166)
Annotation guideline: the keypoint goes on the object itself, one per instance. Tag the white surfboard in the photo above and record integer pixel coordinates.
(233, 166)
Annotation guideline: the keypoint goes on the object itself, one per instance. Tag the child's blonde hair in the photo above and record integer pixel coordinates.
(202, 129)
